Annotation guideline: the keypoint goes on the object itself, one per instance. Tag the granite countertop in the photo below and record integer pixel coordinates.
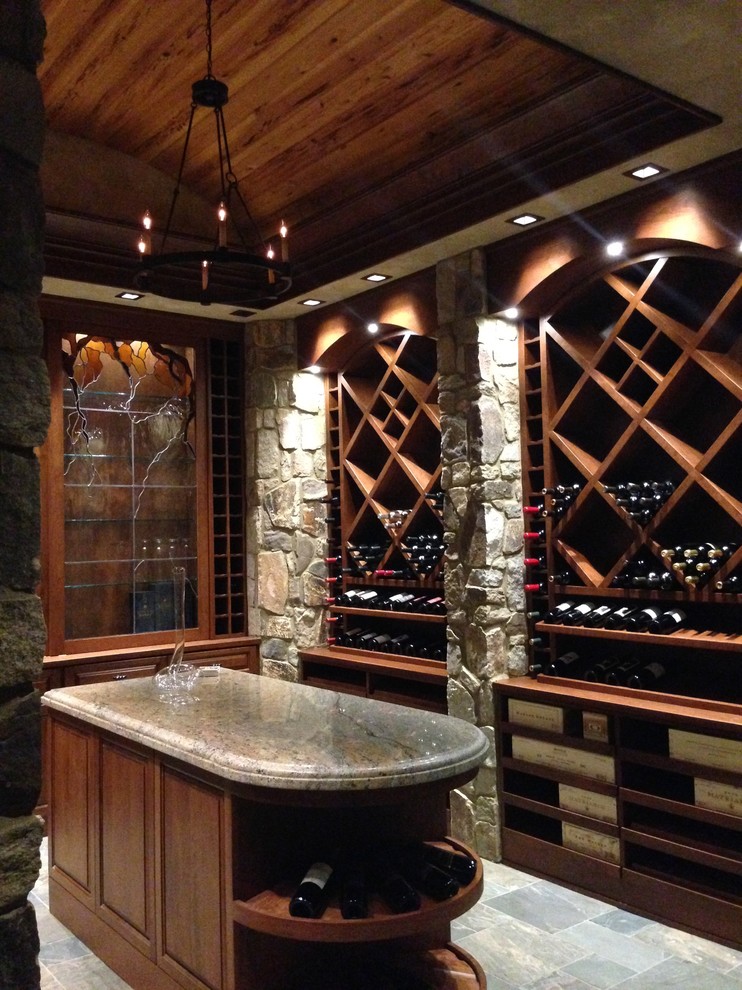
(266, 732)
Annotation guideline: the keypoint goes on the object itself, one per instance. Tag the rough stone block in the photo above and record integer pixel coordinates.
(20, 862)
(283, 505)
(24, 400)
(273, 582)
(20, 755)
(21, 327)
(19, 950)
(22, 212)
(20, 526)
(22, 637)
(22, 119)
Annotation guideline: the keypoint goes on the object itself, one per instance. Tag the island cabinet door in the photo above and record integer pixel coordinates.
(193, 855)
(126, 846)
(72, 774)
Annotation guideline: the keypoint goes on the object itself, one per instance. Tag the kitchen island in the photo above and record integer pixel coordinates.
(178, 834)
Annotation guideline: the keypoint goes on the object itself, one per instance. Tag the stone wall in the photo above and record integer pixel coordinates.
(481, 475)
(480, 421)
(286, 470)
(24, 412)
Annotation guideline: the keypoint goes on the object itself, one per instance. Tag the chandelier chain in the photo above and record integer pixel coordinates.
(209, 74)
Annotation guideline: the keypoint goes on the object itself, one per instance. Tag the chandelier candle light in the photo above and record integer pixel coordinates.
(170, 273)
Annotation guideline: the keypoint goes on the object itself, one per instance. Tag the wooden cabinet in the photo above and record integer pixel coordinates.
(142, 472)
(632, 414)
(631, 402)
(386, 610)
(648, 814)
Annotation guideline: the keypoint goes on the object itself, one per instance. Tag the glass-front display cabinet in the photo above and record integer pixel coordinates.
(142, 474)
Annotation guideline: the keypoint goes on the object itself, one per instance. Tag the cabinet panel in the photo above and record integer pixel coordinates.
(125, 828)
(71, 797)
(672, 823)
(192, 855)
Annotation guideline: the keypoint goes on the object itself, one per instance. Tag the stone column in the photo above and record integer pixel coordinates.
(24, 414)
(481, 475)
(286, 468)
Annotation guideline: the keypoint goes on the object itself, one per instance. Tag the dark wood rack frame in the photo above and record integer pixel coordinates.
(639, 377)
(636, 376)
(383, 446)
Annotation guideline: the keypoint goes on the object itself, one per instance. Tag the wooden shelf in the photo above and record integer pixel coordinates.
(268, 912)
(686, 638)
(384, 613)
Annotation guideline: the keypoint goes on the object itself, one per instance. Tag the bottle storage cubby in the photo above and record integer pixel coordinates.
(627, 795)
(632, 395)
(385, 603)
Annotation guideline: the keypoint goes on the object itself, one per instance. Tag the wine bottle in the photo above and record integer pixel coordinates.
(565, 665)
(619, 617)
(561, 577)
(535, 562)
(620, 675)
(535, 534)
(577, 615)
(308, 900)
(599, 671)
(668, 621)
(331, 499)
(533, 615)
(642, 618)
(730, 585)
(535, 587)
(429, 879)
(398, 894)
(556, 615)
(461, 867)
(353, 891)
(598, 616)
(648, 677)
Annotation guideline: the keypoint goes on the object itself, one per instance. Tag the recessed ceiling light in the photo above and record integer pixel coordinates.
(614, 248)
(525, 219)
(376, 277)
(511, 313)
(129, 296)
(314, 369)
(645, 171)
(311, 302)
(372, 327)
(242, 312)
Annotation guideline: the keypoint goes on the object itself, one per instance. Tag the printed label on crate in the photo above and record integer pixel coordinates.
(710, 751)
(583, 802)
(577, 761)
(535, 714)
(596, 725)
(714, 796)
(584, 840)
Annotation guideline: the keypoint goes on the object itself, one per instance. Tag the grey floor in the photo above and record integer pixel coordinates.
(526, 933)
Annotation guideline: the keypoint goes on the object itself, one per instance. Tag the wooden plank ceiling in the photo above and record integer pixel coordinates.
(371, 126)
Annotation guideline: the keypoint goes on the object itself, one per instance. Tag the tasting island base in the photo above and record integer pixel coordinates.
(180, 878)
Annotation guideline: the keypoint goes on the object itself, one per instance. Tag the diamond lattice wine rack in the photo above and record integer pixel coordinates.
(632, 413)
(386, 613)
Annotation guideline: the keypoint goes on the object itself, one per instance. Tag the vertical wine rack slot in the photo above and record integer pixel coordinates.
(534, 481)
(332, 502)
(228, 486)
(632, 402)
(385, 605)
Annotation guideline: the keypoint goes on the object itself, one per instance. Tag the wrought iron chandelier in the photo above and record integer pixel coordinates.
(236, 276)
